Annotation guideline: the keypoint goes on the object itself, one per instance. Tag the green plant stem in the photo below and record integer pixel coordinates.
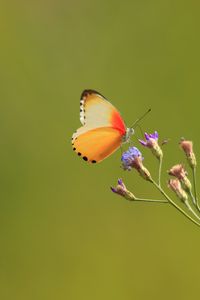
(159, 171)
(129, 196)
(194, 181)
(195, 188)
(150, 200)
(173, 203)
(191, 210)
(193, 199)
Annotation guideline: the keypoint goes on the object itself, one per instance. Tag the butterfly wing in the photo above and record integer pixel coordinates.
(96, 144)
(96, 111)
(102, 130)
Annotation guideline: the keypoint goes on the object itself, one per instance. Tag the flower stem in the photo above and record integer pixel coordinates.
(193, 199)
(173, 203)
(195, 188)
(129, 196)
(160, 169)
(150, 200)
(191, 210)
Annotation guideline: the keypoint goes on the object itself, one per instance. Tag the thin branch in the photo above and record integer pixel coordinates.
(160, 170)
(150, 200)
(195, 188)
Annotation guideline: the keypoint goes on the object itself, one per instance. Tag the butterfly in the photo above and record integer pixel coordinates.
(103, 130)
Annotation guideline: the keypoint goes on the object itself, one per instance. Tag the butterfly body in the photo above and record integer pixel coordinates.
(103, 129)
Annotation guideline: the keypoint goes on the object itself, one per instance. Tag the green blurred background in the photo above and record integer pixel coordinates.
(63, 234)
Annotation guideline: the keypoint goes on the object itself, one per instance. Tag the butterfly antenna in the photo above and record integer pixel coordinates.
(139, 119)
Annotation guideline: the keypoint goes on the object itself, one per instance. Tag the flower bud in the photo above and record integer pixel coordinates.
(179, 172)
(144, 173)
(122, 191)
(175, 186)
(187, 147)
(186, 184)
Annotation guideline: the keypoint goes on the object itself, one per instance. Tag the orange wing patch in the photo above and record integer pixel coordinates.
(96, 144)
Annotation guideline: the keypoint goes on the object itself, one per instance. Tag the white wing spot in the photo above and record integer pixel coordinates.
(82, 111)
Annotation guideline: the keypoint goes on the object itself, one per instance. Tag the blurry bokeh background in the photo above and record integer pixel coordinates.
(63, 234)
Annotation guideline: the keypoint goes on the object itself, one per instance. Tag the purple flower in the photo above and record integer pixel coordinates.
(122, 191)
(131, 158)
(152, 143)
(120, 187)
(150, 139)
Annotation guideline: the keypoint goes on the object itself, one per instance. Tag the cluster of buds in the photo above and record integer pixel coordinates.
(180, 184)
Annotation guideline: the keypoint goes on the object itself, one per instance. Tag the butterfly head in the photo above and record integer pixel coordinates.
(128, 134)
